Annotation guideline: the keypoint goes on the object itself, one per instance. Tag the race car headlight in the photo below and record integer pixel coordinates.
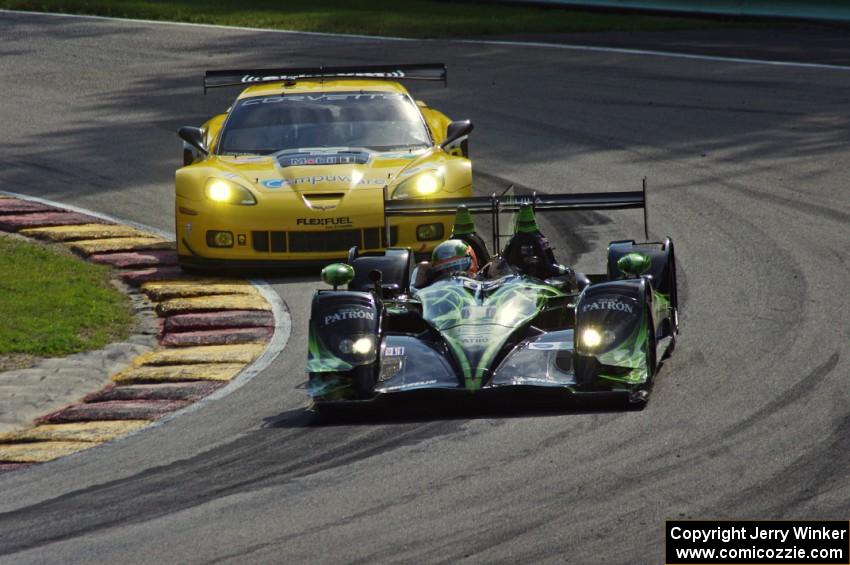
(362, 346)
(359, 346)
(220, 190)
(592, 339)
(421, 186)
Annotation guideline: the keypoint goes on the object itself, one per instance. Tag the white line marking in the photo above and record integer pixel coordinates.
(280, 337)
(217, 26)
(651, 53)
(535, 44)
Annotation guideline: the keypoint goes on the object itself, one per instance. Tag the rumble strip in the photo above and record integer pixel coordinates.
(211, 331)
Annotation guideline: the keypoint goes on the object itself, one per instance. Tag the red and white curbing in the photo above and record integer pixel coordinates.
(215, 334)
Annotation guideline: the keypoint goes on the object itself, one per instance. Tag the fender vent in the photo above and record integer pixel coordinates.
(264, 241)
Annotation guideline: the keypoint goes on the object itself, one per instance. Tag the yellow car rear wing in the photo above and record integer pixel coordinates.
(248, 77)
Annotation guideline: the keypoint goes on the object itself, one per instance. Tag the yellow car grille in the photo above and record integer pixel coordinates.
(318, 242)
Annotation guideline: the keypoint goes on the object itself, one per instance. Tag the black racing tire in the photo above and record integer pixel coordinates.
(674, 295)
(192, 269)
(639, 396)
(365, 378)
(671, 347)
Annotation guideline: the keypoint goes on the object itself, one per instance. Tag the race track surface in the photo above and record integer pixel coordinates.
(748, 172)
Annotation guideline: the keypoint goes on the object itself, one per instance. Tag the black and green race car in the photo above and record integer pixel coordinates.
(522, 324)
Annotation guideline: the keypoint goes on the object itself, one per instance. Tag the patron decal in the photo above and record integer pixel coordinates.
(608, 303)
(348, 314)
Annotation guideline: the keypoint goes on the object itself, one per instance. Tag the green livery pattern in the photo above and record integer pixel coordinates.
(477, 318)
(630, 354)
(320, 359)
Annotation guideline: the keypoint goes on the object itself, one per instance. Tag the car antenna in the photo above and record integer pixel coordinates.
(645, 212)
(495, 205)
(494, 220)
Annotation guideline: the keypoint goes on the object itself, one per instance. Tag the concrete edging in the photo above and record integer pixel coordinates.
(214, 334)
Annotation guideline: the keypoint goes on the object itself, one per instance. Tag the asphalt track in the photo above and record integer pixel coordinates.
(748, 169)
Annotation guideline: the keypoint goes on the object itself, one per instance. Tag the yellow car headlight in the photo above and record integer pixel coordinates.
(422, 185)
(221, 190)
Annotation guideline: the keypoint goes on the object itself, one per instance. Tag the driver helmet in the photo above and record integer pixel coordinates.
(453, 255)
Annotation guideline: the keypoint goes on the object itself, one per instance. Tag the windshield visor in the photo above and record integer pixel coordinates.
(462, 301)
(375, 120)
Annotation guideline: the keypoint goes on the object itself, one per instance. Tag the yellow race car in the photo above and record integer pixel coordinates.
(297, 170)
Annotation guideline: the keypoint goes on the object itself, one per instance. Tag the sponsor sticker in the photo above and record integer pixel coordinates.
(274, 183)
(313, 180)
(551, 345)
(341, 221)
(411, 385)
(392, 156)
(301, 160)
(478, 312)
(531, 380)
(474, 340)
(348, 314)
(313, 97)
(608, 303)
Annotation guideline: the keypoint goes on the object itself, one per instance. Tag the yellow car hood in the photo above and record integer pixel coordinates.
(324, 187)
(327, 170)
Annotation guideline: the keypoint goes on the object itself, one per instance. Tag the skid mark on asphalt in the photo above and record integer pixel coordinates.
(803, 388)
(278, 456)
(815, 471)
(219, 327)
(720, 444)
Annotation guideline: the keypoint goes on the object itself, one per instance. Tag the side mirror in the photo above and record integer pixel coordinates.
(377, 278)
(455, 131)
(634, 264)
(194, 137)
(337, 274)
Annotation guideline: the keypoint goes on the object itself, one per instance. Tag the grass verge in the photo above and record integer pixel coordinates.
(52, 303)
(404, 18)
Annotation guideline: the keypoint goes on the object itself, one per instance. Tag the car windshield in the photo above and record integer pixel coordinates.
(375, 120)
(461, 301)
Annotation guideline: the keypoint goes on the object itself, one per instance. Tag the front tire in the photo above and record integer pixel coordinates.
(639, 395)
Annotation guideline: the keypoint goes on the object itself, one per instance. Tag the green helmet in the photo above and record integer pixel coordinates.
(453, 255)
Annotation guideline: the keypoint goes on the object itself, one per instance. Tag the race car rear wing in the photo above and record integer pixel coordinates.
(247, 77)
(496, 204)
